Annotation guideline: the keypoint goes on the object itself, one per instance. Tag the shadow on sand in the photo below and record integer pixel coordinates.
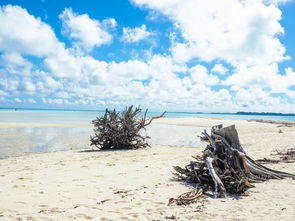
(109, 150)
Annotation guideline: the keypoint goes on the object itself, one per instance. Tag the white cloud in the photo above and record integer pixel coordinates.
(66, 65)
(14, 63)
(135, 70)
(154, 16)
(55, 101)
(277, 2)
(88, 33)
(291, 94)
(233, 31)
(8, 84)
(280, 83)
(18, 100)
(109, 23)
(219, 69)
(63, 94)
(132, 35)
(63, 64)
(199, 74)
(257, 75)
(163, 65)
(162, 81)
(2, 93)
(263, 76)
(255, 98)
(243, 34)
(22, 33)
(31, 100)
(28, 86)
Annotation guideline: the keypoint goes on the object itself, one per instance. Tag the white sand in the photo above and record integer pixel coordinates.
(136, 185)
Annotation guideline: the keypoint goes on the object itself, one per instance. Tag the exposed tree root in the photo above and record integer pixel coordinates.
(224, 168)
(121, 130)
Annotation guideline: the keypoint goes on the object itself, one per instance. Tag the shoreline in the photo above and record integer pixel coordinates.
(194, 122)
(175, 121)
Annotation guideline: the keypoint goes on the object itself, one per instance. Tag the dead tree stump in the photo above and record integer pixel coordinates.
(224, 168)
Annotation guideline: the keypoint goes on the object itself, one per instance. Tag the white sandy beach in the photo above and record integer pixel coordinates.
(137, 184)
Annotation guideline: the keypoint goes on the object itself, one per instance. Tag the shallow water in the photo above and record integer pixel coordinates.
(63, 130)
(174, 135)
(20, 141)
(85, 117)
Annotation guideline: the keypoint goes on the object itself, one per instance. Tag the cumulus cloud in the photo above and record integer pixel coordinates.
(256, 75)
(219, 69)
(234, 31)
(199, 74)
(264, 76)
(66, 65)
(109, 23)
(235, 47)
(243, 34)
(31, 100)
(18, 100)
(132, 69)
(277, 2)
(23, 33)
(132, 35)
(14, 63)
(88, 33)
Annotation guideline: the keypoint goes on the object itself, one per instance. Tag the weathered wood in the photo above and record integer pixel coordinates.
(117, 130)
(224, 168)
(219, 189)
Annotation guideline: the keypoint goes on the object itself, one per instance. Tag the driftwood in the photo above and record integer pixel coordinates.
(117, 130)
(224, 168)
(280, 123)
(186, 198)
(287, 156)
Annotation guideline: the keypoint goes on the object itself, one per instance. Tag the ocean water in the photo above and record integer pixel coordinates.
(85, 117)
(38, 131)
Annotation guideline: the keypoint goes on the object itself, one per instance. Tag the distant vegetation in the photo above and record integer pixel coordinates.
(249, 113)
(117, 130)
(265, 113)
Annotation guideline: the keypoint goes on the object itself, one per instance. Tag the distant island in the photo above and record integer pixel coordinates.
(265, 113)
(245, 113)
(171, 112)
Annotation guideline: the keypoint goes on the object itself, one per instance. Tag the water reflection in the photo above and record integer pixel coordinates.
(174, 135)
(20, 141)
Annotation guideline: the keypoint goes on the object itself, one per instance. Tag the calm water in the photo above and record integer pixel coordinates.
(85, 117)
(75, 128)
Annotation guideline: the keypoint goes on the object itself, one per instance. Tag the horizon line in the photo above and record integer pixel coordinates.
(179, 112)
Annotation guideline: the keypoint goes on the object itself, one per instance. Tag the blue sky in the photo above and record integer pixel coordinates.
(177, 55)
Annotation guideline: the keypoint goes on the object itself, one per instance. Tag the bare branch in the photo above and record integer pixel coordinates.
(121, 130)
(153, 118)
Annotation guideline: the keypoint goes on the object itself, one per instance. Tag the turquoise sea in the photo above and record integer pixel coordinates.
(37, 131)
(86, 116)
